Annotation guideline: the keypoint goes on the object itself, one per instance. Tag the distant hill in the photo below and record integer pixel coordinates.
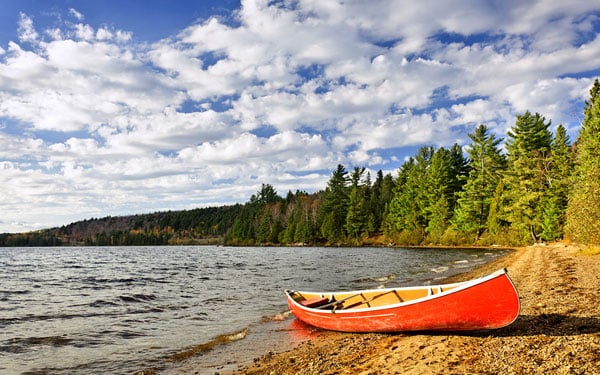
(196, 226)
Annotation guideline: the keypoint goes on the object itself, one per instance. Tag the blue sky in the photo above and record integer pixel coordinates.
(126, 107)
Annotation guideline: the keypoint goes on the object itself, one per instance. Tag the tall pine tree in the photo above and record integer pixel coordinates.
(439, 194)
(333, 212)
(561, 167)
(357, 217)
(583, 212)
(407, 210)
(486, 168)
(528, 147)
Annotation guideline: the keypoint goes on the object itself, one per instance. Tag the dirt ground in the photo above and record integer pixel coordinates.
(557, 331)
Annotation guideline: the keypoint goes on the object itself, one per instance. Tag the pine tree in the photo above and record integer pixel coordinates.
(357, 217)
(381, 195)
(459, 171)
(289, 232)
(377, 207)
(445, 178)
(486, 167)
(407, 207)
(438, 193)
(494, 222)
(334, 209)
(561, 167)
(528, 147)
(583, 212)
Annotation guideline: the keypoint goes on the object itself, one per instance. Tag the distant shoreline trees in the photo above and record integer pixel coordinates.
(542, 189)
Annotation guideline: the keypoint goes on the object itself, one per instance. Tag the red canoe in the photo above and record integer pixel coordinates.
(489, 302)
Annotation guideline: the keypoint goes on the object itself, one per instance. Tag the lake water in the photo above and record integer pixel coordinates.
(82, 310)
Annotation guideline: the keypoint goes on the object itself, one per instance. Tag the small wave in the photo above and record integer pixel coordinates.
(96, 281)
(381, 279)
(24, 344)
(200, 316)
(18, 292)
(42, 317)
(464, 261)
(137, 298)
(73, 266)
(385, 278)
(277, 317)
(439, 269)
(102, 303)
(129, 334)
(214, 300)
(203, 348)
(145, 311)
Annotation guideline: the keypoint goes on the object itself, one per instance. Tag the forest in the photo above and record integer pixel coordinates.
(532, 186)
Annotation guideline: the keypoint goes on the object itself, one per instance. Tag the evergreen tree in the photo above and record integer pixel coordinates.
(266, 195)
(385, 197)
(265, 226)
(290, 229)
(557, 195)
(407, 210)
(458, 173)
(583, 212)
(358, 215)
(402, 202)
(426, 192)
(494, 221)
(528, 148)
(381, 195)
(304, 231)
(438, 193)
(334, 209)
(242, 229)
(486, 167)
(375, 201)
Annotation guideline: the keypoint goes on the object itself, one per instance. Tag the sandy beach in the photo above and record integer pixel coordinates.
(557, 331)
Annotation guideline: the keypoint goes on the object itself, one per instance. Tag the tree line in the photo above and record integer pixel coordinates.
(533, 185)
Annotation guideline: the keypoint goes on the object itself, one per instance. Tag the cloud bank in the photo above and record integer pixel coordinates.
(95, 122)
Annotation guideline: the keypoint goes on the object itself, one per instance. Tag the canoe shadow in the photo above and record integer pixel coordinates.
(547, 324)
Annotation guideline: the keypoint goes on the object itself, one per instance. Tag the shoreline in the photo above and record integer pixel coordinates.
(557, 330)
(278, 333)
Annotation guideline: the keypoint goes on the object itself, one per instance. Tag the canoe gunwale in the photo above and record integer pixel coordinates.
(452, 288)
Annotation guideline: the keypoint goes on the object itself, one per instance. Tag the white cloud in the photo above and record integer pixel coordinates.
(74, 13)
(103, 34)
(94, 123)
(26, 30)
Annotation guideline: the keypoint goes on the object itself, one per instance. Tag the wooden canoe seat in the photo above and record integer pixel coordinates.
(314, 302)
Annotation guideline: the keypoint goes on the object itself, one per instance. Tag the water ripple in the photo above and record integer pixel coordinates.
(115, 310)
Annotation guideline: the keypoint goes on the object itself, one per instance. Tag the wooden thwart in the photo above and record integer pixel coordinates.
(368, 301)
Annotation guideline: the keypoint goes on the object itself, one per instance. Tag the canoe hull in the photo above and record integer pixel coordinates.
(486, 303)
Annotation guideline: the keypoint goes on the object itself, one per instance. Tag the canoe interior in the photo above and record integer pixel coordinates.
(365, 299)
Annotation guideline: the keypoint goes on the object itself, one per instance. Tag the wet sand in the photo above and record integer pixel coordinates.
(557, 331)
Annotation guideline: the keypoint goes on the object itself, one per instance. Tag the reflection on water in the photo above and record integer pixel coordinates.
(299, 331)
(120, 309)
